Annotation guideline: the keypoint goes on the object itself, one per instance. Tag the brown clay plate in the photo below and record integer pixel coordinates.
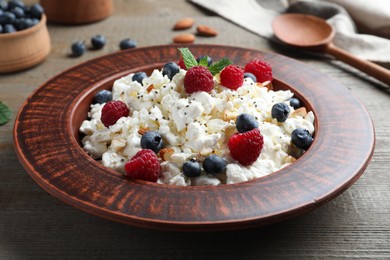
(47, 144)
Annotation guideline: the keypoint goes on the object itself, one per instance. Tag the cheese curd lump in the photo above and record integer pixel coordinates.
(193, 126)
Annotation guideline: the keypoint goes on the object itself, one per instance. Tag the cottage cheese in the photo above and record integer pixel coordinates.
(194, 126)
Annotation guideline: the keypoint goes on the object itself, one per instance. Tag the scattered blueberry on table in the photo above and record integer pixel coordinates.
(16, 16)
(78, 48)
(98, 42)
(127, 44)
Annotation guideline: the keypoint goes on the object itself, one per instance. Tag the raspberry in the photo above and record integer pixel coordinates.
(232, 77)
(198, 78)
(112, 111)
(246, 147)
(144, 166)
(260, 69)
(181, 64)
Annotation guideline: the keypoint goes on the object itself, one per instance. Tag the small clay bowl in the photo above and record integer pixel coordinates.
(77, 11)
(24, 49)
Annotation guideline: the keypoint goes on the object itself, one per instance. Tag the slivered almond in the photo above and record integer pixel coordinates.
(300, 112)
(150, 88)
(289, 159)
(166, 153)
(267, 84)
(142, 131)
(184, 38)
(183, 24)
(205, 30)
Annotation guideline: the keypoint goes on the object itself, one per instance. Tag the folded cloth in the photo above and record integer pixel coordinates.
(252, 16)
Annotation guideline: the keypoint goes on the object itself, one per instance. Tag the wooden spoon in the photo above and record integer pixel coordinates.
(313, 33)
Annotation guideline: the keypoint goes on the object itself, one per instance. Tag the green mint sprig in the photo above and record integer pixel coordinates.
(190, 61)
(5, 114)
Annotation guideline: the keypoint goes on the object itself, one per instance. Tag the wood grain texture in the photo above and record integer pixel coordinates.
(35, 225)
(85, 184)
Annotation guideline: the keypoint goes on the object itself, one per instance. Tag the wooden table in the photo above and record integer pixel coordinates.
(34, 224)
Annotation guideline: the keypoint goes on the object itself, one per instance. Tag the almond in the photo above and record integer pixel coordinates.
(267, 84)
(183, 24)
(150, 88)
(166, 153)
(142, 131)
(300, 112)
(204, 30)
(184, 38)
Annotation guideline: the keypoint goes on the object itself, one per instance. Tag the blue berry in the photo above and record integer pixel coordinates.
(152, 140)
(246, 122)
(209, 59)
(3, 5)
(7, 18)
(214, 164)
(9, 28)
(36, 11)
(301, 138)
(18, 12)
(280, 111)
(78, 49)
(98, 42)
(103, 96)
(170, 69)
(295, 103)
(139, 77)
(127, 44)
(15, 3)
(1, 28)
(251, 76)
(191, 168)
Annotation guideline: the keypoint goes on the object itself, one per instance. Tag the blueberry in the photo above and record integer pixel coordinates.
(191, 168)
(152, 140)
(280, 111)
(7, 18)
(78, 49)
(214, 164)
(139, 76)
(98, 41)
(246, 122)
(251, 76)
(295, 103)
(301, 138)
(18, 12)
(1, 11)
(1, 28)
(9, 28)
(209, 59)
(3, 5)
(103, 96)
(127, 44)
(15, 3)
(21, 24)
(36, 11)
(170, 69)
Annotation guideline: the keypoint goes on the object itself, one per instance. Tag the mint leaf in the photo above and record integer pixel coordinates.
(219, 65)
(189, 59)
(5, 114)
(204, 62)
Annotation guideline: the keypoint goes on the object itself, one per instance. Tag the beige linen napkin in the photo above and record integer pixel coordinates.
(374, 16)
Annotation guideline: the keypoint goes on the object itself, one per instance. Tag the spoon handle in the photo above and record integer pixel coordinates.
(368, 67)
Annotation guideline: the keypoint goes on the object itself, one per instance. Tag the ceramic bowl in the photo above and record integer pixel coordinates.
(77, 11)
(24, 49)
(47, 143)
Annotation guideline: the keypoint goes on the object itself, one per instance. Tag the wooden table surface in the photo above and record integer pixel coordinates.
(34, 224)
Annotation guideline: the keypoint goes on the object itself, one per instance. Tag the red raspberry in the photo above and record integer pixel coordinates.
(246, 147)
(181, 64)
(112, 111)
(144, 166)
(198, 78)
(261, 69)
(232, 77)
